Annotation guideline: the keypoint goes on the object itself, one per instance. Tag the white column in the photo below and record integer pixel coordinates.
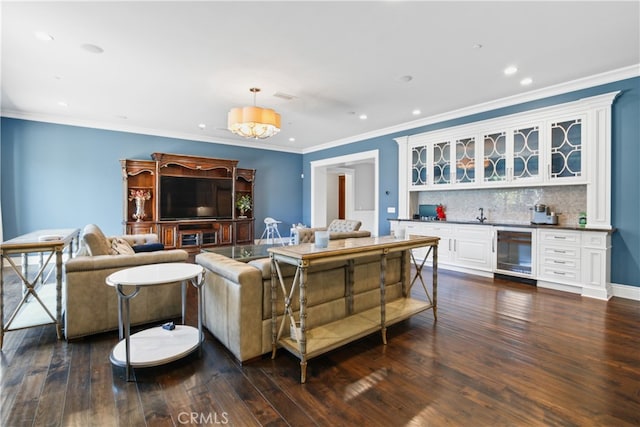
(599, 160)
(403, 176)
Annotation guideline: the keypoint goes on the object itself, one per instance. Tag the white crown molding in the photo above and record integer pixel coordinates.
(559, 89)
(582, 83)
(72, 121)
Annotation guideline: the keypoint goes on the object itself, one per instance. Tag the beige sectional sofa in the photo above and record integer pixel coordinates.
(338, 229)
(237, 296)
(91, 306)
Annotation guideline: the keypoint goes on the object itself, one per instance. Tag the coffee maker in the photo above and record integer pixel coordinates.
(543, 215)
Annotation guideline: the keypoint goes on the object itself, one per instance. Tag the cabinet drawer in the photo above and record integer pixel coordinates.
(564, 252)
(563, 263)
(559, 273)
(558, 236)
(427, 230)
(141, 228)
(596, 240)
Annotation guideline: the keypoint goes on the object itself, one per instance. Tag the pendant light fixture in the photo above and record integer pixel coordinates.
(253, 122)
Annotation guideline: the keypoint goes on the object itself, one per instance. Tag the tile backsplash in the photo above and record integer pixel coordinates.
(506, 205)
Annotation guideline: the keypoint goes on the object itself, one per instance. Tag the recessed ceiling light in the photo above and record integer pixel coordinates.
(416, 112)
(406, 78)
(63, 104)
(363, 117)
(92, 48)
(202, 126)
(526, 81)
(292, 139)
(477, 46)
(510, 70)
(45, 37)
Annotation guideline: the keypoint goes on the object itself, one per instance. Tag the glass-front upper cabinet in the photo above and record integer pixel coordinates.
(466, 160)
(566, 151)
(442, 163)
(535, 152)
(495, 157)
(513, 155)
(526, 154)
(419, 166)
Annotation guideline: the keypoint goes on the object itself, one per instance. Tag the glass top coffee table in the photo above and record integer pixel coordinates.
(244, 253)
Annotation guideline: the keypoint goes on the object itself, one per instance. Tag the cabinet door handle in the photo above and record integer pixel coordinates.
(558, 262)
(558, 251)
(449, 244)
(560, 237)
(561, 273)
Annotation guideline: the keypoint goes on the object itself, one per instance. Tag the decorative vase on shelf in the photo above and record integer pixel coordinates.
(140, 196)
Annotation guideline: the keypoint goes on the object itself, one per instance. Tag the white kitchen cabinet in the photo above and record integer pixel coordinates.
(575, 261)
(564, 144)
(541, 151)
(444, 162)
(473, 246)
(596, 264)
(559, 256)
(574, 147)
(464, 246)
(437, 229)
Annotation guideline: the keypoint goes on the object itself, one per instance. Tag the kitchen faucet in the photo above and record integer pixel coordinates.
(481, 218)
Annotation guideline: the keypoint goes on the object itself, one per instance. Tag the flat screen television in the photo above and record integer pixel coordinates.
(195, 198)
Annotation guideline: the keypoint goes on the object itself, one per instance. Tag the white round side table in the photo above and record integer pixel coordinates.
(154, 346)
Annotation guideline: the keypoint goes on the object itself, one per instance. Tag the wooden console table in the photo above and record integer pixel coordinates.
(40, 305)
(319, 340)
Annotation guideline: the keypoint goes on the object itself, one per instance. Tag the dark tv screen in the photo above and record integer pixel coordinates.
(193, 198)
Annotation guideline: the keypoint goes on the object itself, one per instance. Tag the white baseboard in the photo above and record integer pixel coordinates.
(626, 291)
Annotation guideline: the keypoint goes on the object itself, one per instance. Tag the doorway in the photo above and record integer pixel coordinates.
(361, 184)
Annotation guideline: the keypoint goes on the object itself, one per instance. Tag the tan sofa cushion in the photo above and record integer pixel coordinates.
(96, 241)
(344, 226)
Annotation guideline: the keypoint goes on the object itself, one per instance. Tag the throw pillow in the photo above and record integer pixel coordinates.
(119, 246)
(149, 247)
(96, 241)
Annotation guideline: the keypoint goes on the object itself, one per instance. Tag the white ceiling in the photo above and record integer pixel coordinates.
(166, 67)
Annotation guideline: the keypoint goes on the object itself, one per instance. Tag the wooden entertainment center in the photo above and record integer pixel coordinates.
(202, 226)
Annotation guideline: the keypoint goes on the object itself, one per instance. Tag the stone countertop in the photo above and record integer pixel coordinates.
(507, 224)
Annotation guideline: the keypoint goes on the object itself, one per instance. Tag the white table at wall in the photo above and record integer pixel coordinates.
(154, 346)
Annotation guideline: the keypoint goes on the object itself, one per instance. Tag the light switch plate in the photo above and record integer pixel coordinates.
(391, 209)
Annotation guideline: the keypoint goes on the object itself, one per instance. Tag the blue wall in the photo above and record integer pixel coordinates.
(58, 176)
(65, 176)
(625, 205)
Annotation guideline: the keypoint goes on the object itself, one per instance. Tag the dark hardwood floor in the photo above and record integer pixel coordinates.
(500, 354)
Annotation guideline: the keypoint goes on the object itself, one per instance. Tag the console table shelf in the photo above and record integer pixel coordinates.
(332, 335)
